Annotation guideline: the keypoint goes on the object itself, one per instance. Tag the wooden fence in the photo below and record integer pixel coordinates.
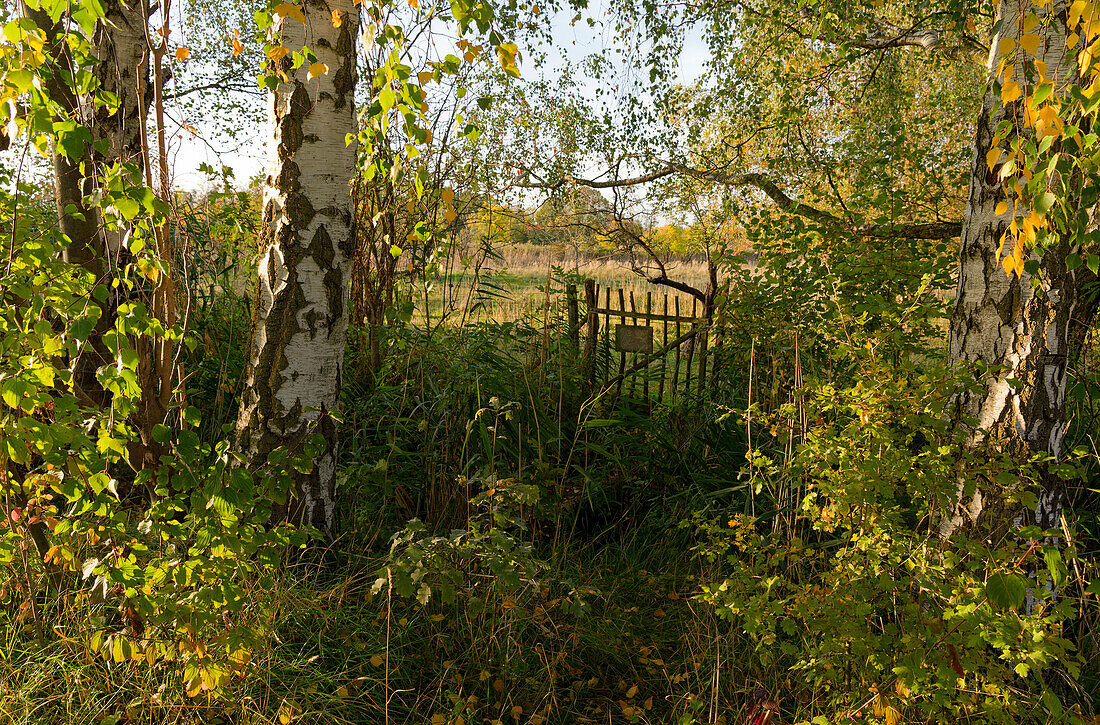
(651, 349)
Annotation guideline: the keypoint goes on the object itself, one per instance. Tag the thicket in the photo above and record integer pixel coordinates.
(519, 546)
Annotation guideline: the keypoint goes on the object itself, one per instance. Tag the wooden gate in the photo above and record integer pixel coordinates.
(651, 349)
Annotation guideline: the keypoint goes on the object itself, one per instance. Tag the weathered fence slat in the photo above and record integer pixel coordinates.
(682, 334)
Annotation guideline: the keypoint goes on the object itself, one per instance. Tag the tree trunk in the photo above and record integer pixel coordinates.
(123, 54)
(119, 46)
(75, 220)
(1030, 336)
(296, 357)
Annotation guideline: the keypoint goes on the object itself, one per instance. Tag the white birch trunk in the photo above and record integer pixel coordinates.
(121, 49)
(999, 319)
(296, 357)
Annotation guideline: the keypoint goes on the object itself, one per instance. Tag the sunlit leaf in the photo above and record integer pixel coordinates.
(289, 10)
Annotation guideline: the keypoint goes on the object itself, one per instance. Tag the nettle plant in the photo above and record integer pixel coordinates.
(844, 577)
(80, 546)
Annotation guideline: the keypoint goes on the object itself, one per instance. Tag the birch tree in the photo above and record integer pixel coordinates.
(1023, 306)
(296, 356)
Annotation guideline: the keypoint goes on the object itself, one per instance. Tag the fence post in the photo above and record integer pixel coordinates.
(591, 336)
(573, 314)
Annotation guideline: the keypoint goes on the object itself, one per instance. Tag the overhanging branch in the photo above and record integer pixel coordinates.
(929, 230)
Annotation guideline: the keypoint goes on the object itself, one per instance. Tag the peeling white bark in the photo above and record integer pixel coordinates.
(998, 319)
(295, 365)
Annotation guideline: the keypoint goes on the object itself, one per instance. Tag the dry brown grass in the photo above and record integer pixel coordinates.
(512, 287)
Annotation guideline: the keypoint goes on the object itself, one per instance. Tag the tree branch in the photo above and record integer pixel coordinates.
(230, 82)
(757, 180)
(929, 230)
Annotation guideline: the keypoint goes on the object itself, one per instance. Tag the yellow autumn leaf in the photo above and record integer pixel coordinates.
(991, 157)
(1006, 46)
(149, 268)
(1030, 43)
(278, 53)
(508, 54)
(1036, 219)
(1041, 69)
(632, 692)
(1001, 208)
(290, 10)
(448, 196)
(1071, 41)
(342, 691)
(210, 677)
(1049, 123)
(878, 706)
(414, 3)
(1075, 11)
(1084, 60)
(424, 76)
(317, 69)
(337, 18)
(1010, 91)
(183, 53)
(288, 712)
(450, 215)
(376, 660)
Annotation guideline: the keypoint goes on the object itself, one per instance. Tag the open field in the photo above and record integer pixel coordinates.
(513, 286)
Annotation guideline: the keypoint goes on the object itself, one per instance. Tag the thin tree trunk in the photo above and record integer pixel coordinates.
(75, 220)
(119, 46)
(296, 357)
(1029, 336)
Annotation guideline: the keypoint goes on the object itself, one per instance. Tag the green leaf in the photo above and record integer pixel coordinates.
(1006, 591)
(1057, 567)
(1044, 202)
(161, 433)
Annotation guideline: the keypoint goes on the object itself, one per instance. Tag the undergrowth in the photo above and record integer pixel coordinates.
(519, 547)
